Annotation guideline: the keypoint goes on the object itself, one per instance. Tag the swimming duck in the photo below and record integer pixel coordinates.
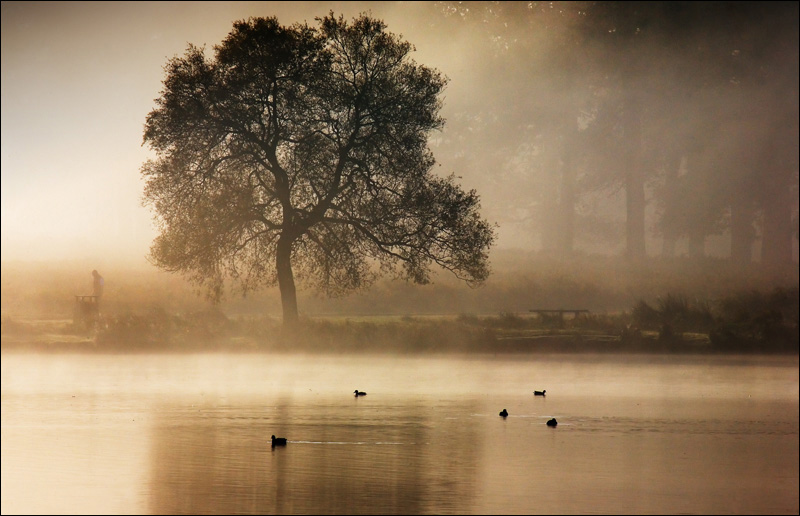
(504, 413)
(278, 441)
(552, 422)
(360, 393)
(539, 393)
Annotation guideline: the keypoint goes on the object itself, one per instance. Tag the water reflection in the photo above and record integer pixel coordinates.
(191, 434)
(342, 456)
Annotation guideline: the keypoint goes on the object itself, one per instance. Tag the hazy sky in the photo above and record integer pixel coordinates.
(78, 79)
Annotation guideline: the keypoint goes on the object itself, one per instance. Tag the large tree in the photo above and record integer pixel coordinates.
(301, 153)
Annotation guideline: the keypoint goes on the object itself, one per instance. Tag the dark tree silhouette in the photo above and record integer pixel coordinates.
(302, 153)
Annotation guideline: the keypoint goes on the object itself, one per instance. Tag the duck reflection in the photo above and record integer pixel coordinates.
(342, 459)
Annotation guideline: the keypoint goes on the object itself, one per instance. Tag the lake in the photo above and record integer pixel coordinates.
(190, 434)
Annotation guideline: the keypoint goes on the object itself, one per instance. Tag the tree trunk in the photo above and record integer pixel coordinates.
(668, 246)
(549, 204)
(776, 243)
(742, 233)
(283, 263)
(669, 219)
(697, 245)
(566, 236)
(779, 195)
(634, 180)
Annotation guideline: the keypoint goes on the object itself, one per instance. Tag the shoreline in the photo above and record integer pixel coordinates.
(542, 345)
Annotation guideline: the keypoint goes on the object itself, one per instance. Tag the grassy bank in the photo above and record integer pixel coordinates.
(654, 306)
(752, 321)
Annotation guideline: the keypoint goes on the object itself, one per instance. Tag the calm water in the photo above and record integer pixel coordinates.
(191, 434)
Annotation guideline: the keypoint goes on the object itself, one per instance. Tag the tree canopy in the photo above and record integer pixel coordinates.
(301, 153)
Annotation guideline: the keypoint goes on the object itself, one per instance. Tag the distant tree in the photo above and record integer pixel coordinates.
(685, 111)
(738, 68)
(526, 124)
(302, 153)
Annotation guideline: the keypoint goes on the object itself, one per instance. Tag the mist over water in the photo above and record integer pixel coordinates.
(190, 433)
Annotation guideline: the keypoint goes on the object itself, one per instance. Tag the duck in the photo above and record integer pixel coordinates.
(278, 441)
(504, 413)
(539, 393)
(359, 393)
(552, 422)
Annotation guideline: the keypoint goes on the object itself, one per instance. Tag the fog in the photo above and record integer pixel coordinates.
(591, 132)
(78, 79)
(640, 163)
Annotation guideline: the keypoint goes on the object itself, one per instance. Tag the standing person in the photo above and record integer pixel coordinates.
(97, 285)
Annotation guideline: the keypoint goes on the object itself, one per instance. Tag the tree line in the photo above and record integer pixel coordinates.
(299, 152)
(686, 109)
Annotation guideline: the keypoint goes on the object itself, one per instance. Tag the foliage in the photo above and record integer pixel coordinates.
(759, 320)
(753, 321)
(300, 151)
(750, 320)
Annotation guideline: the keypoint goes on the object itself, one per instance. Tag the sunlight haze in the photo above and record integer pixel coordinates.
(79, 78)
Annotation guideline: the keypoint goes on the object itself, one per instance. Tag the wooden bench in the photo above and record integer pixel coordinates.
(561, 311)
